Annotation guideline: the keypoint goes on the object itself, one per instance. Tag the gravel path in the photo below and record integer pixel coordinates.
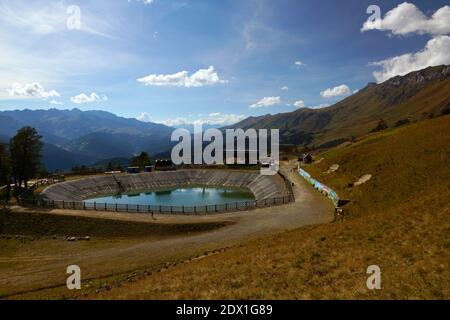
(49, 270)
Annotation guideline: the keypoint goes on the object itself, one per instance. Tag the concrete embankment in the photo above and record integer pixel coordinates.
(262, 187)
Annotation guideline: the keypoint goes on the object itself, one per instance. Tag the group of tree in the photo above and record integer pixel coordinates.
(20, 161)
(141, 160)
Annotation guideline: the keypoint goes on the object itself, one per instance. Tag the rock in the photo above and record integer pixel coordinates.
(87, 238)
(333, 168)
(363, 179)
(71, 239)
(318, 161)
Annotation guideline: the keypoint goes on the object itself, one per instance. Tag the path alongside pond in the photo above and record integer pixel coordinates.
(310, 208)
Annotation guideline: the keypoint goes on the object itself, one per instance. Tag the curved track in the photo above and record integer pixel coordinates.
(49, 270)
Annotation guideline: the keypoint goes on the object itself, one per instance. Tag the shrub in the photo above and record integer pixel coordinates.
(382, 125)
(401, 122)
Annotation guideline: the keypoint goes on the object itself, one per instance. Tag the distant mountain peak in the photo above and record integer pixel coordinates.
(421, 76)
(417, 95)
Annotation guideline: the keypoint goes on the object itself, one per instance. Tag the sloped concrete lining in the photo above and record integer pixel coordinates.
(263, 187)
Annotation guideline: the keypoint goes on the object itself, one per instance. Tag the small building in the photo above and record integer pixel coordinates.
(164, 165)
(133, 170)
(305, 158)
(149, 168)
(56, 178)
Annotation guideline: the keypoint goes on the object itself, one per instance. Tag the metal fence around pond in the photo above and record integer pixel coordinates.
(159, 209)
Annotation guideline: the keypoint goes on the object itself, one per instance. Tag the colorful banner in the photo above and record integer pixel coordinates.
(330, 193)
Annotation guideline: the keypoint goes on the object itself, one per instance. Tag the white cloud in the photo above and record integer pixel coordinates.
(299, 104)
(216, 118)
(83, 98)
(298, 63)
(50, 18)
(284, 88)
(144, 1)
(54, 102)
(323, 105)
(407, 18)
(266, 102)
(31, 90)
(201, 78)
(336, 91)
(436, 52)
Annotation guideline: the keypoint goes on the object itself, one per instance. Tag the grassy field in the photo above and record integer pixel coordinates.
(398, 220)
(32, 243)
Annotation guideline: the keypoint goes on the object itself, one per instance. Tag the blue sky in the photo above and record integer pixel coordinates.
(183, 61)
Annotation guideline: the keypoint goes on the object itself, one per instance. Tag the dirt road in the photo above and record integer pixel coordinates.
(22, 274)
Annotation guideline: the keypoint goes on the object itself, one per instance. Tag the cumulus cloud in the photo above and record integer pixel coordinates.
(284, 88)
(299, 104)
(31, 90)
(83, 98)
(336, 91)
(144, 1)
(298, 63)
(201, 78)
(216, 118)
(406, 18)
(436, 52)
(266, 102)
(320, 106)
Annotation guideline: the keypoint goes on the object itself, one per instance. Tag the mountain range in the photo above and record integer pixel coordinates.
(417, 95)
(75, 137)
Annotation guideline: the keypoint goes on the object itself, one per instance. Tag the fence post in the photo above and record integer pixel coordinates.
(84, 205)
(95, 206)
(115, 208)
(138, 208)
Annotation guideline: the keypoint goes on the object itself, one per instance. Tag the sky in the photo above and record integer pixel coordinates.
(217, 62)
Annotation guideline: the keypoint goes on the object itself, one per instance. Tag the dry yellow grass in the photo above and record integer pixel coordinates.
(398, 220)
